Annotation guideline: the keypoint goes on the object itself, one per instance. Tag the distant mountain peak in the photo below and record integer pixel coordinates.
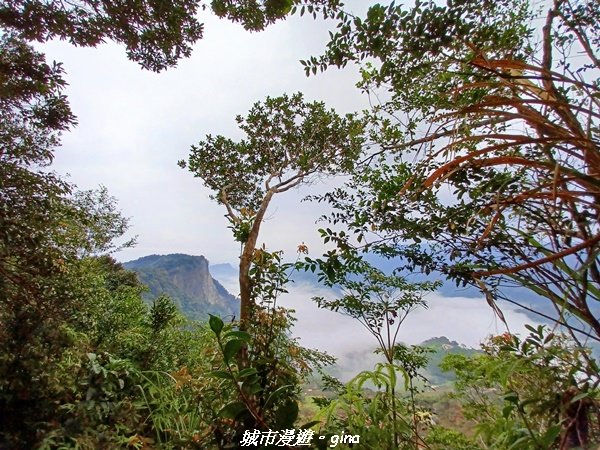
(188, 281)
(150, 260)
(442, 341)
(223, 270)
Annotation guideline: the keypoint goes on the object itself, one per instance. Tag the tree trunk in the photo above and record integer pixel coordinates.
(246, 301)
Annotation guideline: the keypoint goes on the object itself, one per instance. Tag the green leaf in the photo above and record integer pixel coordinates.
(253, 387)
(580, 396)
(239, 335)
(231, 349)
(216, 324)
(247, 372)
(232, 410)
(276, 393)
(221, 374)
(522, 440)
(531, 329)
(551, 435)
(507, 410)
(512, 397)
(286, 415)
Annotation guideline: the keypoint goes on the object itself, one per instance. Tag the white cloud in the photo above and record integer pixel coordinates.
(468, 321)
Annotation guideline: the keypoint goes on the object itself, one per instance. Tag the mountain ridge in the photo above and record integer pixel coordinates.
(188, 281)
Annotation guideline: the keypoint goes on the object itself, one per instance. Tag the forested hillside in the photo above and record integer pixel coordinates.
(187, 281)
(475, 163)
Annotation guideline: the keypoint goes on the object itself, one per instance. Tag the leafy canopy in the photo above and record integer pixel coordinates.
(156, 34)
(488, 160)
(287, 140)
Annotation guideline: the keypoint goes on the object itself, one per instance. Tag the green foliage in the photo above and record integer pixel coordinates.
(103, 411)
(177, 417)
(486, 166)
(45, 230)
(266, 389)
(421, 48)
(85, 363)
(439, 348)
(379, 302)
(33, 107)
(262, 367)
(383, 419)
(182, 406)
(155, 35)
(256, 15)
(439, 438)
(162, 312)
(100, 225)
(35, 247)
(537, 392)
(270, 276)
(133, 385)
(287, 140)
(44, 290)
(76, 335)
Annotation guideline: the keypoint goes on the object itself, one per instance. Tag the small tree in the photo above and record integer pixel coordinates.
(380, 303)
(288, 142)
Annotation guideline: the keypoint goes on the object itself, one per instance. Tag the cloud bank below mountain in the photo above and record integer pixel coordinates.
(468, 321)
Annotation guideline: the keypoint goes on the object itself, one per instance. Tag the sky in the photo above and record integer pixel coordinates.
(135, 125)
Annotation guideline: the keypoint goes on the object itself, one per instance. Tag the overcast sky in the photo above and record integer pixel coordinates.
(135, 125)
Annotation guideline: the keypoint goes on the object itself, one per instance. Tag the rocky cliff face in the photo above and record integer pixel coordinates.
(187, 280)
